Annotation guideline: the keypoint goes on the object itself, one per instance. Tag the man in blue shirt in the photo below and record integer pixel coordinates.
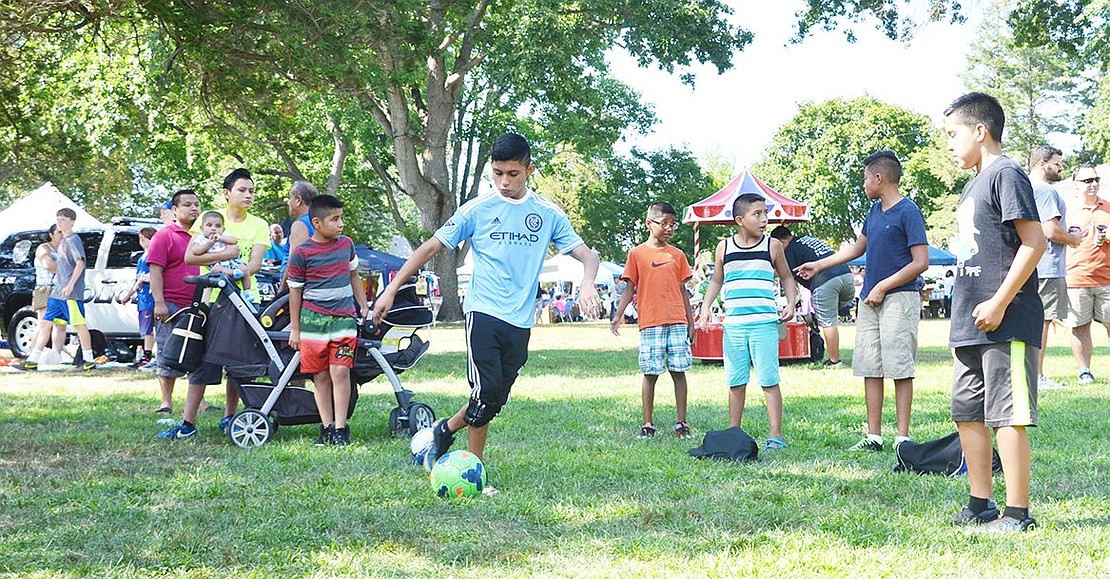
(509, 231)
(886, 329)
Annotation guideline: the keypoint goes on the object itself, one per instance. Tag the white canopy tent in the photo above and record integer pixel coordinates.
(39, 209)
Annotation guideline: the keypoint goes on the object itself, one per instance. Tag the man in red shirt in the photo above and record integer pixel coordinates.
(166, 258)
(1088, 276)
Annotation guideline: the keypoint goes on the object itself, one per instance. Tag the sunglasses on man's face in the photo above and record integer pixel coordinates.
(1090, 180)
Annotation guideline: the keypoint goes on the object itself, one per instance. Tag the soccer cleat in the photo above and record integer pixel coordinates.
(831, 364)
(647, 430)
(225, 423)
(441, 441)
(681, 430)
(1085, 377)
(327, 433)
(489, 490)
(970, 517)
(164, 410)
(86, 366)
(867, 444)
(177, 432)
(341, 436)
(28, 366)
(1010, 525)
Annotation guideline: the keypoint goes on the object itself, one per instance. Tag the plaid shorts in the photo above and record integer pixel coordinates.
(665, 347)
(327, 341)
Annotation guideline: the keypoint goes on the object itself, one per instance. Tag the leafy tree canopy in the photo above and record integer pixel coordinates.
(817, 157)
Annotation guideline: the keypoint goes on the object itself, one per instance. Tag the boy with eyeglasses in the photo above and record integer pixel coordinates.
(658, 271)
(1087, 271)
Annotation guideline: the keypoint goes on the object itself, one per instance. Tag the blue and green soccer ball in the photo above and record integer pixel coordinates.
(459, 473)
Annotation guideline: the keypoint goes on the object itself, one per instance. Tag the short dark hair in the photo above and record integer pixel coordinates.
(304, 190)
(976, 107)
(782, 233)
(68, 213)
(661, 208)
(885, 162)
(210, 214)
(234, 176)
(744, 201)
(148, 232)
(177, 195)
(1041, 154)
(323, 205)
(1081, 167)
(511, 147)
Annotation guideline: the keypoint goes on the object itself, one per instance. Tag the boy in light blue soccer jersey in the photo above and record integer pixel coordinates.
(509, 231)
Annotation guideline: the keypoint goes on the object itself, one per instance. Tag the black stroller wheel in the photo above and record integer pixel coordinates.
(250, 428)
(420, 416)
(396, 425)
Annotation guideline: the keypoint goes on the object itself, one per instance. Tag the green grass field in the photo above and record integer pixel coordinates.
(85, 490)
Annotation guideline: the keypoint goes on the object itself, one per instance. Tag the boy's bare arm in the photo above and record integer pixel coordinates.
(714, 286)
(778, 260)
(618, 312)
(412, 265)
(988, 314)
(919, 262)
(856, 249)
(295, 317)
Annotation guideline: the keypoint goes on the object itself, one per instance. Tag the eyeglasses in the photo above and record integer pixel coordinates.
(1089, 180)
(672, 225)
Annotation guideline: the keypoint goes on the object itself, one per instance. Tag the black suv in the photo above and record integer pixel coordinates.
(111, 254)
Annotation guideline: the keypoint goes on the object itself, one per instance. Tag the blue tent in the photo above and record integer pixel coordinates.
(937, 256)
(378, 260)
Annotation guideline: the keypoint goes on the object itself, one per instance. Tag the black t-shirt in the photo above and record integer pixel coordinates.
(985, 251)
(806, 249)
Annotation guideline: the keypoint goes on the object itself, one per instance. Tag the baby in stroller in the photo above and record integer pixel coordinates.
(257, 356)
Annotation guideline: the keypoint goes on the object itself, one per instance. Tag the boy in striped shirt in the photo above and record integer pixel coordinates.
(323, 289)
(746, 267)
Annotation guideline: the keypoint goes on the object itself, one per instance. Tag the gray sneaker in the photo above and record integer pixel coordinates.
(970, 517)
(1010, 525)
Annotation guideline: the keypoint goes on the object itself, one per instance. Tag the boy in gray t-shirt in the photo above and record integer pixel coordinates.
(66, 304)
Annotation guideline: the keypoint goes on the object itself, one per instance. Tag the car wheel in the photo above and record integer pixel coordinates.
(21, 332)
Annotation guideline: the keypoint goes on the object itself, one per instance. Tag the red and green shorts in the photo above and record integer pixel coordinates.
(327, 341)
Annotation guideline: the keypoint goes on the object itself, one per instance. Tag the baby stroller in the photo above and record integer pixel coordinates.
(254, 349)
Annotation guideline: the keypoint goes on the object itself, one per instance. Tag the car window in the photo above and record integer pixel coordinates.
(123, 245)
(92, 240)
(18, 249)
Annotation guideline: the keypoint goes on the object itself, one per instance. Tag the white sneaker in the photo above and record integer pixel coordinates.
(489, 490)
(1085, 377)
(1046, 383)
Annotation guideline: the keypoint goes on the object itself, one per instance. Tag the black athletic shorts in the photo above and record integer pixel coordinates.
(496, 351)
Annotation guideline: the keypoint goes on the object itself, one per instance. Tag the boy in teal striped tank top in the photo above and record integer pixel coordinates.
(746, 267)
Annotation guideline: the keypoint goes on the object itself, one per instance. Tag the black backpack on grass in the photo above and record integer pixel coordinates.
(729, 444)
(940, 456)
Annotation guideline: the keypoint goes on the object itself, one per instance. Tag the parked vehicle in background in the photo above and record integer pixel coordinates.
(110, 252)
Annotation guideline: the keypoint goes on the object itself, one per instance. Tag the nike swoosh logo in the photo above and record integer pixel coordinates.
(653, 264)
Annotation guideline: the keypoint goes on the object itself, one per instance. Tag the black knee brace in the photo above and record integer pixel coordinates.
(480, 413)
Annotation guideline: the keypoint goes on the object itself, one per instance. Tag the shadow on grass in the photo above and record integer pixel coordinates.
(86, 490)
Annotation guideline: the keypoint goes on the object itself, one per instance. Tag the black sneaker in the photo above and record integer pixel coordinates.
(970, 517)
(1010, 525)
(681, 430)
(647, 430)
(868, 445)
(831, 364)
(327, 435)
(341, 436)
(442, 439)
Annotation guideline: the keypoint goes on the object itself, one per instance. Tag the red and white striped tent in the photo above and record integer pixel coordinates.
(717, 208)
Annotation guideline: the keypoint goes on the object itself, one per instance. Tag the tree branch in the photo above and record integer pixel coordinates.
(339, 156)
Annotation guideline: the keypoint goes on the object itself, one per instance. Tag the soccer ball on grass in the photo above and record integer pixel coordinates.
(459, 473)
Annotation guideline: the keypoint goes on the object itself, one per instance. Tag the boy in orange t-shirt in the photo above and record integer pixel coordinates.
(658, 271)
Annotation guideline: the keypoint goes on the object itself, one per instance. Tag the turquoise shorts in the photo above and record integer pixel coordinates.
(751, 345)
